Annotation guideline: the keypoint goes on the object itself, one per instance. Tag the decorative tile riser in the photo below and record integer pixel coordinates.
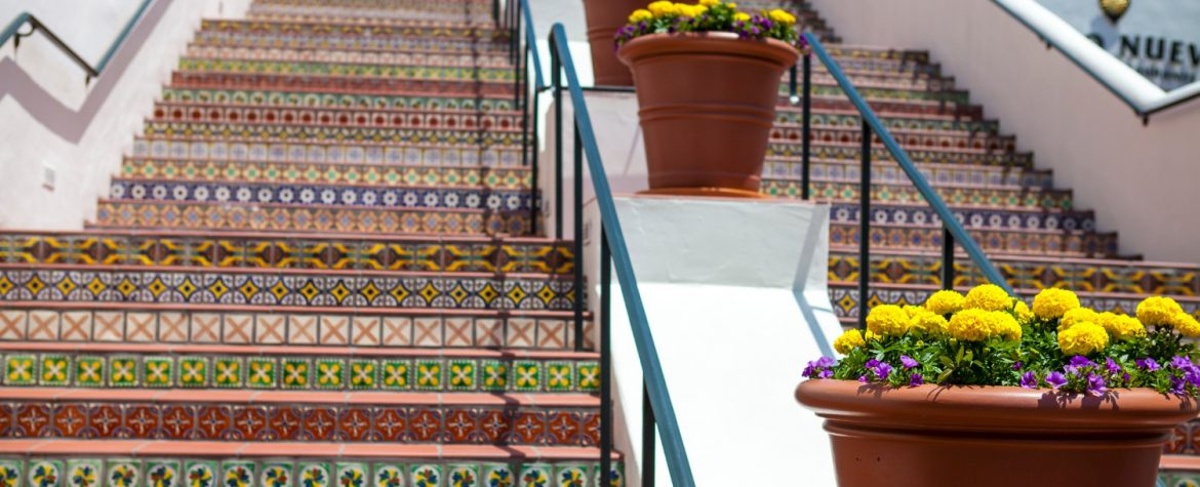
(95, 470)
(845, 299)
(448, 45)
(880, 154)
(207, 217)
(931, 141)
(845, 120)
(1082, 276)
(885, 108)
(300, 372)
(1179, 478)
(477, 16)
(888, 172)
(447, 425)
(1000, 241)
(902, 192)
(884, 77)
(357, 86)
(337, 100)
(283, 173)
(499, 135)
(439, 120)
(339, 196)
(884, 93)
(496, 60)
(474, 74)
(1012, 220)
(359, 329)
(343, 29)
(285, 289)
(328, 152)
(427, 255)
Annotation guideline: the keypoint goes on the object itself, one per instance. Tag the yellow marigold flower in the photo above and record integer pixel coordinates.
(1083, 339)
(1005, 326)
(933, 324)
(869, 335)
(944, 302)
(731, 4)
(971, 325)
(1120, 327)
(887, 320)
(640, 15)
(662, 8)
(849, 340)
(989, 297)
(1157, 311)
(1022, 311)
(779, 15)
(1186, 324)
(741, 17)
(1076, 316)
(709, 3)
(1053, 303)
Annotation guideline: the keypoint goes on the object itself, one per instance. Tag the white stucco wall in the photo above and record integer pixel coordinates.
(83, 162)
(1139, 179)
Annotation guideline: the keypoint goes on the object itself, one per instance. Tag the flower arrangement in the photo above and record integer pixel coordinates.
(708, 16)
(990, 338)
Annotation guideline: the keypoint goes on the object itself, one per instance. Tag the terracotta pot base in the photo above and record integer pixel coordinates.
(706, 191)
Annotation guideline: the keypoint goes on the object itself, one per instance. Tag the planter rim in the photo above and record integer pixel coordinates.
(720, 43)
(992, 408)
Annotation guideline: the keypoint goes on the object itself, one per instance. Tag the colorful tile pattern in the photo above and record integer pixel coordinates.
(342, 196)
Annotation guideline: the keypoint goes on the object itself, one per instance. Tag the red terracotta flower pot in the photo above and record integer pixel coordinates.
(931, 436)
(706, 107)
(604, 18)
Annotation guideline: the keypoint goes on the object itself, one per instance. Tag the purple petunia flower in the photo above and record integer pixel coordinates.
(915, 380)
(1147, 363)
(882, 370)
(1096, 385)
(1056, 380)
(825, 374)
(1029, 380)
(1017, 365)
(820, 368)
(1176, 386)
(1081, 361)
(1182, 363)
(908, 362)
(862, 378)
(1112, 366)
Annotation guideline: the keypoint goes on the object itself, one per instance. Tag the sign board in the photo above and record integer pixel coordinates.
(1158, 38)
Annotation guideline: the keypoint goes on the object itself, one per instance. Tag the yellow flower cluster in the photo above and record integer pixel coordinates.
(779, 15)
(1083, 339)
(1053, 303)
(977, 325)
(665, 8)
(944, 302)
(640, 15)
(1158, 311)
(988, 297)
(1076, 316)
(1120, 327)
(849, 340)
(1022, 310)
(1186, 324)
(887, 320)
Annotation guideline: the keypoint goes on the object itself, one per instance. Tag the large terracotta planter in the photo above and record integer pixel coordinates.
(931, 436)
(604, 18)
(706, 107)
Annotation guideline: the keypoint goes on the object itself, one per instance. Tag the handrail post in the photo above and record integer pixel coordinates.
(535, 206)
(578, 224)
(556, 83)
(517, 52)
(947, 259)
(864, 226)
(649, 445)
(605, 345)
(806, 142)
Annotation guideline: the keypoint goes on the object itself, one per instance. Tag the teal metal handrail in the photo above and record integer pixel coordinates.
(656, 385)
(952, 226)
(12, 31)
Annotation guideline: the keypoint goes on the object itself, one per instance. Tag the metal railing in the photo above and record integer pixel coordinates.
(13, 31)
(952, 230)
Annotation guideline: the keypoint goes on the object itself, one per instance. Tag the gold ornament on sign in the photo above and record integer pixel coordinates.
(1114, 9)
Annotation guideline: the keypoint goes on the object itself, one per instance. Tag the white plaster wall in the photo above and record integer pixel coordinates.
(84, 167)
(1139, 179)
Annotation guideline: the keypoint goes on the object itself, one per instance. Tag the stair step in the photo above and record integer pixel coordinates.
(497, 135)
(494, 60)
(345, 69)
(478, 16)
(427, 153)
(903, 192)
(317, 330)
(304, 219)
(497, 44)
(788, 114)
(1059, 243)
(340, 84)
(440, 119)
(888, 172)
(853, 152)
(920, 214)
(337, 26)
(304, 173)
(943, 98)
(424, 101)
(909, 139)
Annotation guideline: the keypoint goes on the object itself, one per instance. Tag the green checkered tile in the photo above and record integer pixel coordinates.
(462, 375)
(238, 474)
(587, 376)
(123, 473)
(194, 372)
(89, 371)
(397, 375)
(20, 370)
(364, 374)
(493, 375)
(330, 373)
(201, 474)
(277, 474)
(559, 376)
(296, 373)
(55, 370)
(261, 373)
(388, 475)
(429, 375)
(123, 372)
(228, 372)
(158, 372)
(527, 376)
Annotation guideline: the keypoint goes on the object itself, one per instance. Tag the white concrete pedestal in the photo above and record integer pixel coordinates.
(735, 292)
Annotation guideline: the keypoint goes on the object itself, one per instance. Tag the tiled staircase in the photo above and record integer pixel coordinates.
(314, 270)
